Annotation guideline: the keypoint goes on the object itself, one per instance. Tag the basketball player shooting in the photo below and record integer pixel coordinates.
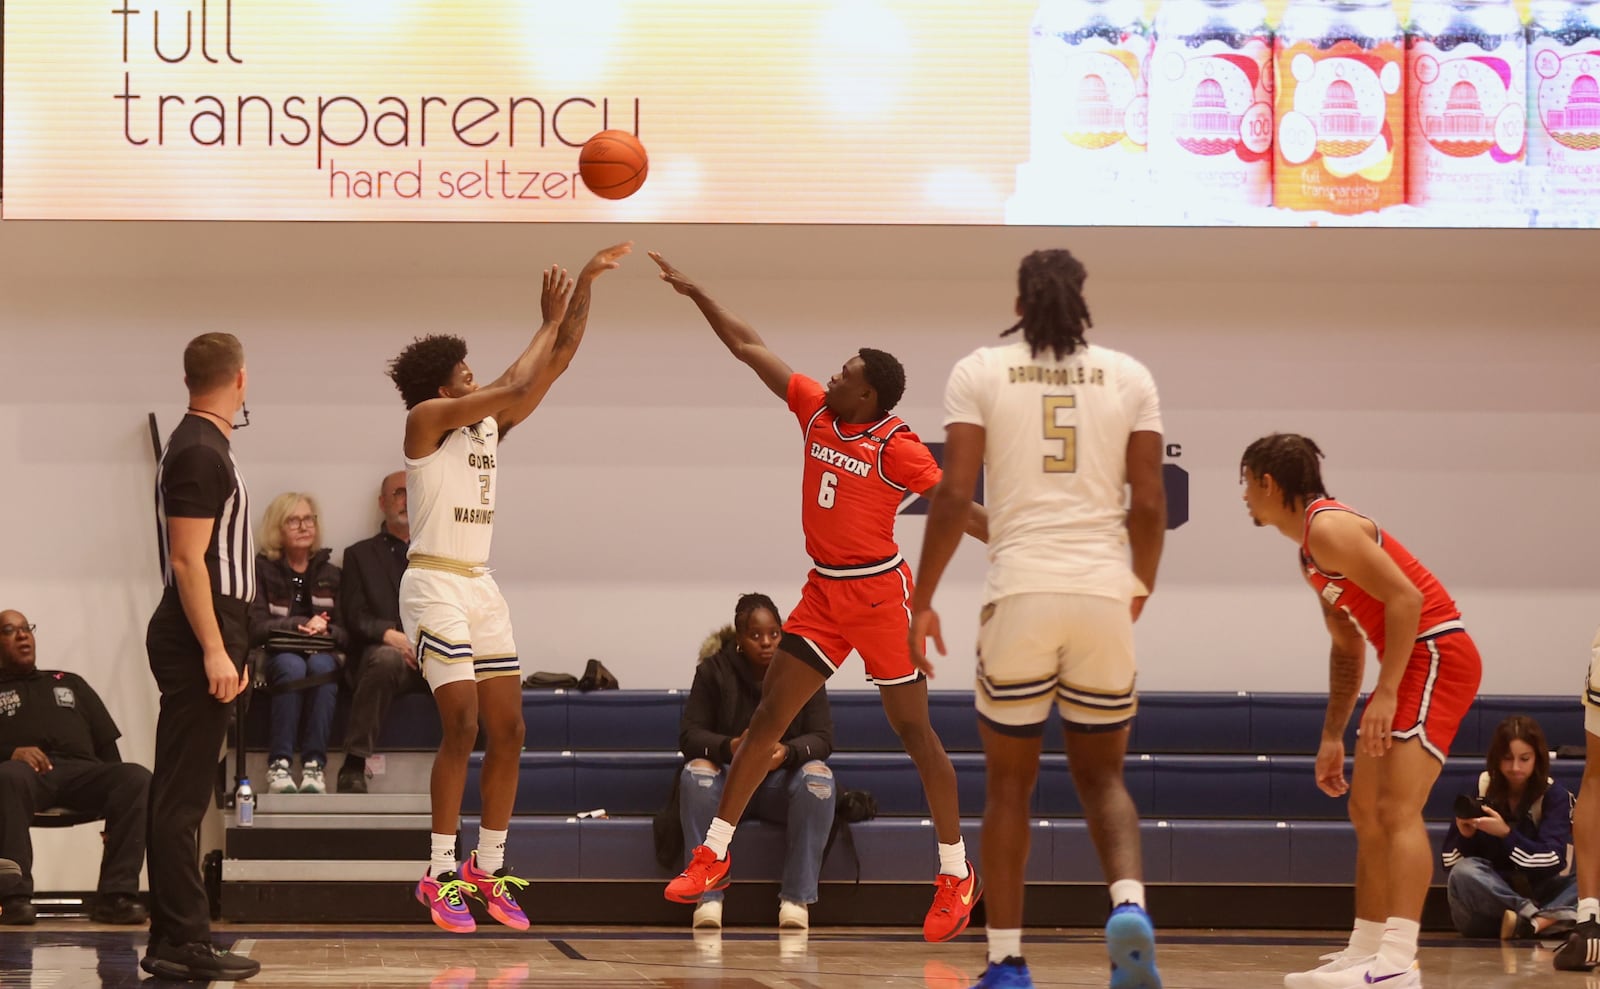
(452, 611)
(860, 460)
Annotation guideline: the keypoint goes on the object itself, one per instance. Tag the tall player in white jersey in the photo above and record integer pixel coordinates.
(1065, 429)
(454, 615)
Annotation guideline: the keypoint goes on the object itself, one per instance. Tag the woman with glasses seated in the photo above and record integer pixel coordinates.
(295, 634)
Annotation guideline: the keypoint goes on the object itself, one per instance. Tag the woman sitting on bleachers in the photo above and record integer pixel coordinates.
(1508, 857)
(798, 791)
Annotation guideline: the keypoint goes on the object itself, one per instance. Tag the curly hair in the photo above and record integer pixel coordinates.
(1050, 294)
(1292, 460)
(886, 376)
(425, 366)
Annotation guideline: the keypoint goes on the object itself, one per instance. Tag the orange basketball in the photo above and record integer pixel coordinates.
(613, 164)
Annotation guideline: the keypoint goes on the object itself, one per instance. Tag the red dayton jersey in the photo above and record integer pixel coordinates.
(1340, 592)
(855, 479)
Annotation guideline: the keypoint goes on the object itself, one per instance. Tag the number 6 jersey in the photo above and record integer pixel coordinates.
(856, 476)
(451, 493)
(1055, 456)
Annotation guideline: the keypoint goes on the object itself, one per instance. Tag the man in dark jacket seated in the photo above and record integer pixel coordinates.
(60, 747)
(798, 791)
(383, 663)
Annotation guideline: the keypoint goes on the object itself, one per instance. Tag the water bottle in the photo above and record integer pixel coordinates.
(245, 804)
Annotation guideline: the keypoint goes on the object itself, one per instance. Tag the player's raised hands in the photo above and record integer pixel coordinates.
(925, 623)
(557, 290)
(672, 276)
(605, 260)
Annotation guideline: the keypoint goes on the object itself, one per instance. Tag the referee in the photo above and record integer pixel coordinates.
(196, 643)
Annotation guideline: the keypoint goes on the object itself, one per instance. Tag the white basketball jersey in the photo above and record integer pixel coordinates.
(1055, 463)
(450, 494)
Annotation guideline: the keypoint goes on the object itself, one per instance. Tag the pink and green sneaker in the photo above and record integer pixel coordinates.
(496, 891)
(445, 896)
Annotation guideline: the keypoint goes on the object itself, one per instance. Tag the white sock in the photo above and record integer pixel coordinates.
(1366, 938)
(1399, 948)
(491, 850)
(444, 854)
(719, 836)
(1589, 909)
(953, 859)
(1004, 944)
(1127, 891)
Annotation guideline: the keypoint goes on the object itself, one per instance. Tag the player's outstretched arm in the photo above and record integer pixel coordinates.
(550, 352)
(739, 337)
(1147, 510)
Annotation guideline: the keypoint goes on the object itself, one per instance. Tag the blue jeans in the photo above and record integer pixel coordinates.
(287, 667)
(1480, 896)
(801, 798)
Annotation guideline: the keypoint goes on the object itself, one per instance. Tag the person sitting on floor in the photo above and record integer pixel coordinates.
(799, 789)
(1508, 865)
(60, 747)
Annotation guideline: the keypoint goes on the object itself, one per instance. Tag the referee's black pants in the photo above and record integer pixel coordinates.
(190, 732)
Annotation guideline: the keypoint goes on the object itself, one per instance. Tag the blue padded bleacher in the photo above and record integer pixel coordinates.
(1168, 723)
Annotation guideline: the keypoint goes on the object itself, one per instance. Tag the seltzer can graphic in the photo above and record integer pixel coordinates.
(1340, 140)
(1564, 96)
(1466, 103)
(1211, 120)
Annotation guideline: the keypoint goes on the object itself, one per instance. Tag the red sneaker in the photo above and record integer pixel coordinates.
(953, 900)
(704, 874)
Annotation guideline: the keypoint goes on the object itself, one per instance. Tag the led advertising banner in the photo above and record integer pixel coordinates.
(1475, 113)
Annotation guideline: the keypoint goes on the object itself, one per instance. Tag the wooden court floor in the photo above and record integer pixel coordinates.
(68, 955)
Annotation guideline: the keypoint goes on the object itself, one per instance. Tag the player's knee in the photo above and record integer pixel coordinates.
(1394, 815)
(459, 727)
(507, 733)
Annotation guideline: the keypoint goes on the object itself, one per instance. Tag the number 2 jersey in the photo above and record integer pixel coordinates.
(856, 476)
(1056, 463)
(451, 493)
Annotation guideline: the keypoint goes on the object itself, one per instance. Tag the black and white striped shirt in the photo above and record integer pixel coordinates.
(199, 479)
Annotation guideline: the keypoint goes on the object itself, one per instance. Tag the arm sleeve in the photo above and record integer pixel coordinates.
(1143, 404)
(195, 484)
(698, 737)
(908, 462)
(102, 729)
(355, 613)
(1546, 851)
(815, 726)
(1450, 850)
(805, 397)
(962, 403)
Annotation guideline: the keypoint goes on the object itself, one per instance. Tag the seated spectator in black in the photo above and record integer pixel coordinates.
(385, 664)
(1508, 866)
(61, 750)
(798, 791)
(295, 634)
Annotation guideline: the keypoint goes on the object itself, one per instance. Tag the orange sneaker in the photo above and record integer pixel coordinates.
(953, 900)
(705, 873)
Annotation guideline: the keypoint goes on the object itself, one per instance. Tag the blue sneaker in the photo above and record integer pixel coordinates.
(1131, 942)
(1009, 974)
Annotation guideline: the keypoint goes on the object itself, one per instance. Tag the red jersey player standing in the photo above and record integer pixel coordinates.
(859, 462)
(1428, 676)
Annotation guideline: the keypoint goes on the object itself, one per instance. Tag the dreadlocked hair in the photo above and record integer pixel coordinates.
(1050, 295)
(425, 366)
(1294, 461)
(886, 376)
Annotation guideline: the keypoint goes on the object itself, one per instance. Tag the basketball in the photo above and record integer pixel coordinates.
(613, 164)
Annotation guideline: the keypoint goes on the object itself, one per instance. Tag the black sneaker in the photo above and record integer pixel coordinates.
(198, 961)
(352, 780)
(118, 908)
(18, 912)
(1582, 950)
